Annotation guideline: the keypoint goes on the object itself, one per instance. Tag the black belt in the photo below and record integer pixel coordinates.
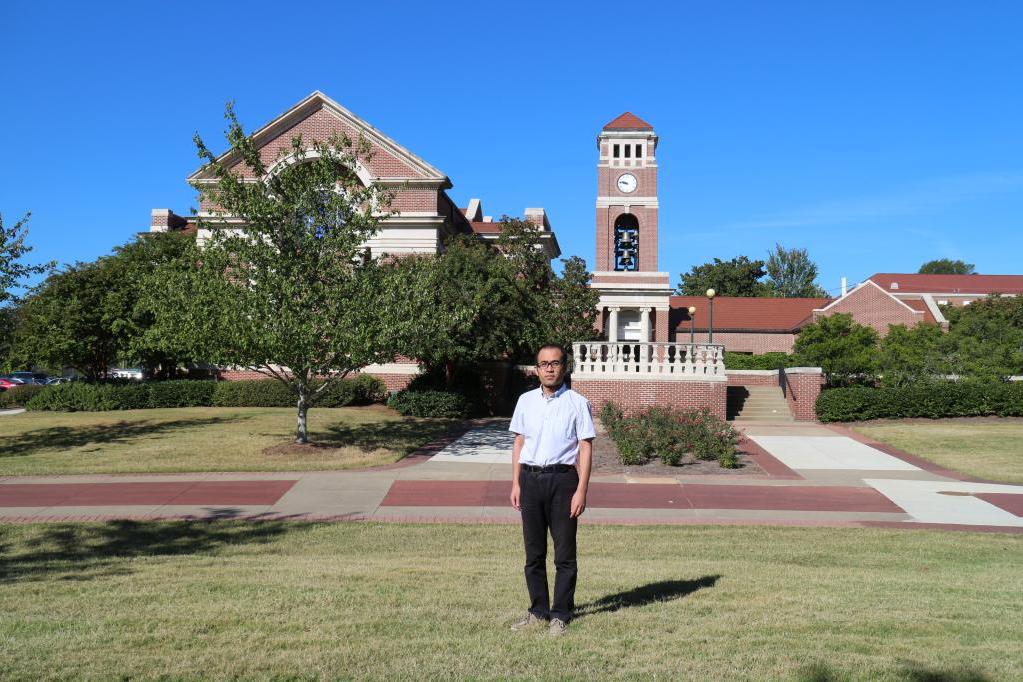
(549, 469)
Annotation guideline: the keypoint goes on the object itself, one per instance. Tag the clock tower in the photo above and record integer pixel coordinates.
(635, 297)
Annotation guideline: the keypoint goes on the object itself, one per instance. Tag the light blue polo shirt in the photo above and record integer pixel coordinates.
(552, 426)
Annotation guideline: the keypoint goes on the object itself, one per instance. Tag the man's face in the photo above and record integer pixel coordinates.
(550, 366)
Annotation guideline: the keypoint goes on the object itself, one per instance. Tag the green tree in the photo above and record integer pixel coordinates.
(909, 355)
(12, 252)
(568, 311)
(737, 277)
(12, 273)
(791, 274)
(455, 309)
(475, 302)
(69, 320)
(558, 308)
(144, 264)
(986, 336)
(946, 266)
(845, 350)
(281, 286)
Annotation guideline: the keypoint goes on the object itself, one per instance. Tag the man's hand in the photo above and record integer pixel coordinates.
(515, 496)
(578, 503)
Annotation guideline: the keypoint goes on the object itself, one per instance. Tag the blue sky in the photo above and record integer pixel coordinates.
(877, 135)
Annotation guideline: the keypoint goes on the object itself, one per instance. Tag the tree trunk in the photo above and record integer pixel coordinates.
(302, 433)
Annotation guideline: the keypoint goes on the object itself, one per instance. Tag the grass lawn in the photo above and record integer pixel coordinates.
(227, 600)
(987, 448)
(205, 439)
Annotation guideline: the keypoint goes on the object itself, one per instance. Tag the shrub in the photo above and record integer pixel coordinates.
(932, 400)
(181, 393)
(79, 396)
(611, 417)
(765, 361)
(413, 403)
(18, 396)
(466, 380)
(671, 435)
(253, 393)
(131, 395)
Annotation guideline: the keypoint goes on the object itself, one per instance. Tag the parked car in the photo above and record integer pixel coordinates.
(31, 377)
(8, 382)
(129, 373)
(53, 381)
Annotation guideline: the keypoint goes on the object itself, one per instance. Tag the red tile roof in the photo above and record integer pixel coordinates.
(949, 284)
(486, 228)
(918, 304)
(747, 314)
(628, 121)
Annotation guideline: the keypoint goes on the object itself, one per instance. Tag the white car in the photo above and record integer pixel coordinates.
(130, 373)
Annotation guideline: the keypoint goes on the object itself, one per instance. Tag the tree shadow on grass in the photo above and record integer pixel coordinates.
(651, 593)
(910, 672)
(123, 431)
(403, 434)
(76, 551)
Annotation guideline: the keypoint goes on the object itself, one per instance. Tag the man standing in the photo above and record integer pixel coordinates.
(551, 462)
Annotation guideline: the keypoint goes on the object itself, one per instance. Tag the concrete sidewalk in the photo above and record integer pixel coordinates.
(813, 475)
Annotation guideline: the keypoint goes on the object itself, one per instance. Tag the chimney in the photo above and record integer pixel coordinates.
(538, 217)
(845, 286)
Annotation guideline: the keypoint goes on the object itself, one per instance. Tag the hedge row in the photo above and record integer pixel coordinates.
(764, 361)
(416, 403)
(86, 397)
(18, 396)
(931, 400)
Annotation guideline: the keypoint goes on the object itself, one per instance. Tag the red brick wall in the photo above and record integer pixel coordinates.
(752, 379)
(633, 396)
(801, 391)
(394, 382)
(320, 125)
(239, 375)
(872, 307)
(745, 342)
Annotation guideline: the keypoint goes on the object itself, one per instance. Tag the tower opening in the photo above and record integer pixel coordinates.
(626, 242)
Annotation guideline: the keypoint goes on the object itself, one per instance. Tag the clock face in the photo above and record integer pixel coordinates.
(627, 183)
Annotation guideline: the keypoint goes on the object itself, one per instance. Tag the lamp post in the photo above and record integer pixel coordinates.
(692, 324)
(710, 325)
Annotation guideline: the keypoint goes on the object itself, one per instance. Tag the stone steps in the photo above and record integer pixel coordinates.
(757, 404)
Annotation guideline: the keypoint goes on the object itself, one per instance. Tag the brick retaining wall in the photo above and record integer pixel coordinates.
(802, 385)
(634, 395)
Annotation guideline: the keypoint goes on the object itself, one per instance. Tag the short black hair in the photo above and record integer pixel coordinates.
(551, 346)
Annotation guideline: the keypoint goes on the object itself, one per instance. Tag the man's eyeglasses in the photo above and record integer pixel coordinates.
(553, 364)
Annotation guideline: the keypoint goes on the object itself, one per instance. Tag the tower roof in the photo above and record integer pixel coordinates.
(628, 121)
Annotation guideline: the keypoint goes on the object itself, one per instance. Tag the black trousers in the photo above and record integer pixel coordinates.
(546, 502)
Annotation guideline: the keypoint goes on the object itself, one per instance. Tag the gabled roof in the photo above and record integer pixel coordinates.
(628, 121)
(314, 102)
(920, 305)
(948, 284)
(734, 313)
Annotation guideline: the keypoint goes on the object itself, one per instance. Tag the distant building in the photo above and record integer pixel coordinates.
(424, 213)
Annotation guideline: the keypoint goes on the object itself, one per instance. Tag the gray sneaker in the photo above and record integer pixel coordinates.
(557, 627)
(528, 622)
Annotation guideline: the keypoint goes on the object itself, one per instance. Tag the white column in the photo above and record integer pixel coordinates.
(644, 334)
(612, 324)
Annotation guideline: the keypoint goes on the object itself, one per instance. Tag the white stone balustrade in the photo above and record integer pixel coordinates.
(658, 360)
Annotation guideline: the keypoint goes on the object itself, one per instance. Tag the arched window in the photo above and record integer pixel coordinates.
(626, 242)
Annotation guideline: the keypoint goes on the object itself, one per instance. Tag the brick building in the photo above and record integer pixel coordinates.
(424, 215)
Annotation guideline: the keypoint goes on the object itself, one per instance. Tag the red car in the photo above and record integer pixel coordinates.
(6, 383)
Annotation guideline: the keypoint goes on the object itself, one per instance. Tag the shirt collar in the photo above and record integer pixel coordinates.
(561, 389)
